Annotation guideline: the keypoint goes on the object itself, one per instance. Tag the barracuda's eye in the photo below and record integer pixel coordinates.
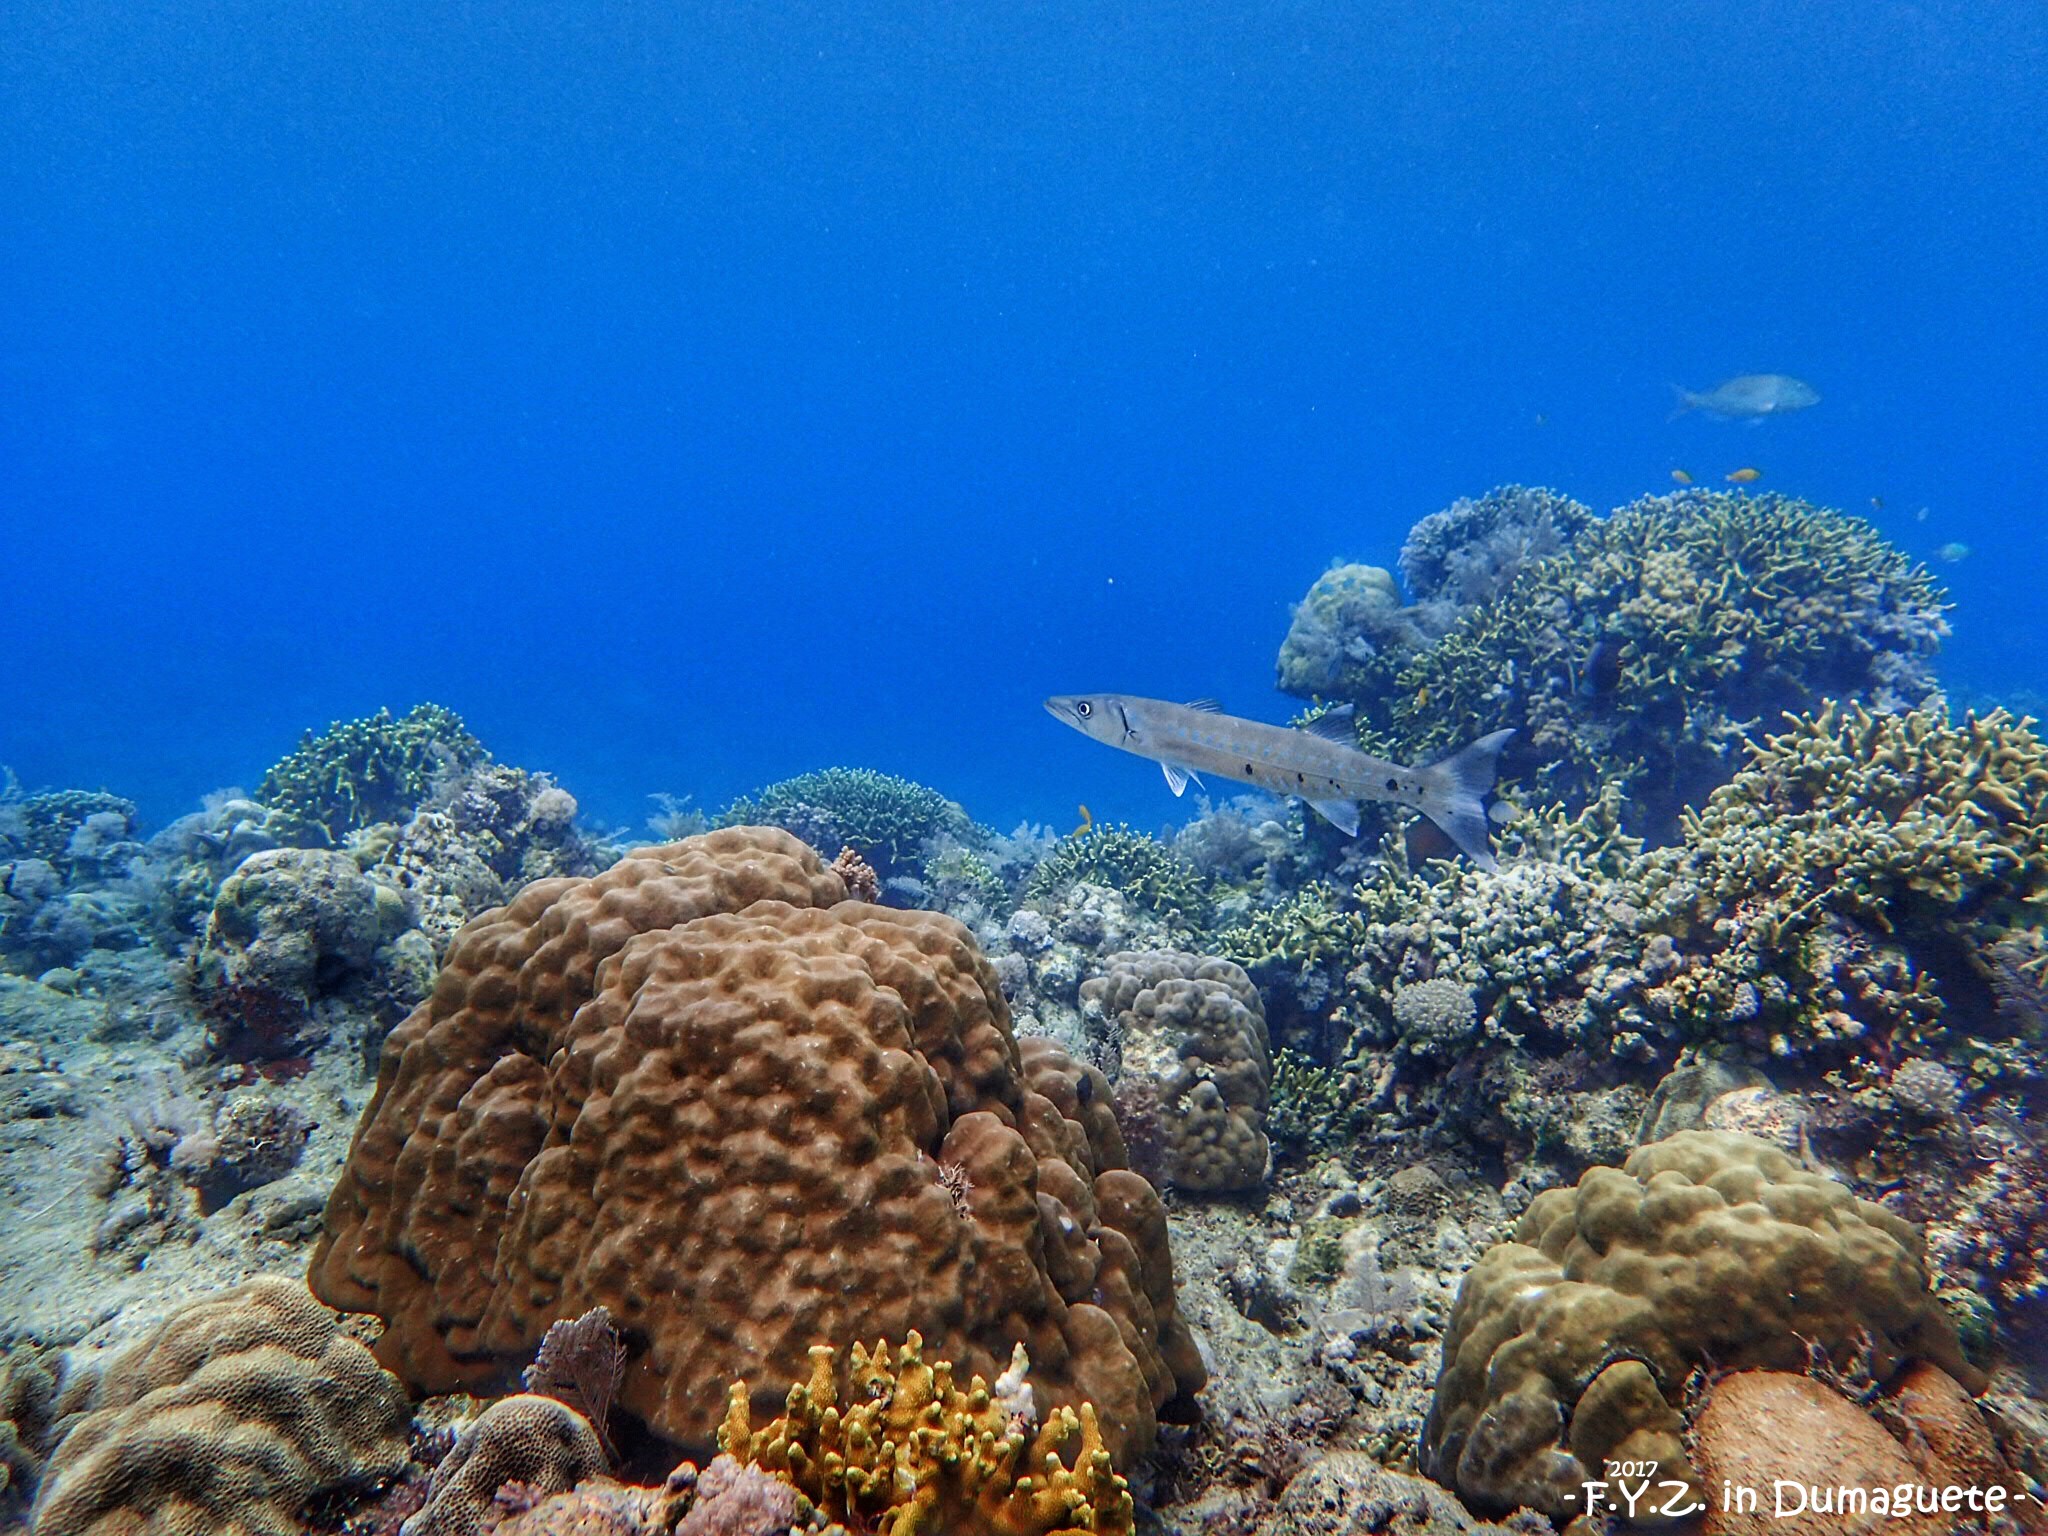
(1084, 709)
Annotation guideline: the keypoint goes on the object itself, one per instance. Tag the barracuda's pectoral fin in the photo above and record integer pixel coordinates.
(1177, 778)
(1341, 814)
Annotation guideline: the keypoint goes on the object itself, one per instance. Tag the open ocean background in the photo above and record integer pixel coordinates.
(695, 395)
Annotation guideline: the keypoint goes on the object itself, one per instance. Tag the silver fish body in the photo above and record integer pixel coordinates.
(1330, 773)
(1751, 397)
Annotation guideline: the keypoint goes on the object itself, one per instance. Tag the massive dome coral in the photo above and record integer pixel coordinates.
(748, 1116)
(1570, 1345)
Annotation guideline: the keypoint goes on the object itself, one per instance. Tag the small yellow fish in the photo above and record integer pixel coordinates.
(1087, 823)
(1743, 476)
(1422, 698)
(1681, 477)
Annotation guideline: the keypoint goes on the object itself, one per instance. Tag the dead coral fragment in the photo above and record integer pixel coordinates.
(911, 1454)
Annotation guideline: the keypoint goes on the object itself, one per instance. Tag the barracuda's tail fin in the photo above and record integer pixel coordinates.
(1454, 794)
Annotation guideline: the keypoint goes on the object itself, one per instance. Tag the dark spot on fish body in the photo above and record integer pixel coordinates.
(1247, 767)
(1393, 785)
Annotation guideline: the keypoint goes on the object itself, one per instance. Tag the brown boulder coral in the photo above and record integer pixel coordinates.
(704, 1090)
(1571, 1344)
(224, 1422)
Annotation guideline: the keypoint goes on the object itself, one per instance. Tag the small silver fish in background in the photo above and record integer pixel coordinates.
(1749, 397)
(1321, 764)
(1953, 553)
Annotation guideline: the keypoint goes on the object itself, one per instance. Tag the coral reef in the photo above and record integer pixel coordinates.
(1349, 635)
(1142, 870)
(224, 1422)
(1850, 879)
(1571, 1343)
(908, 1452)
(1468, 555)
(358, 772)
(538, 1442)
(703, 1091)
(1350, 1491)
(885, 819)
(1640, 656)
(1193, 1071)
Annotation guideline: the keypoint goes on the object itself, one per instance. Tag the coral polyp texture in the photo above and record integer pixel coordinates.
(1860, 867)
(377, 769)
(907, 1451)
(1194, 1069)
(1571, 1344)
(224, 1422)
(886, 819)
(705, 1091)
(1640, 652)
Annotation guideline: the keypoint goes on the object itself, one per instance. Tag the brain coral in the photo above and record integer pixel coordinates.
(1570, 1344)
(224, 1422)
(1192, 1035)
(704, 1091)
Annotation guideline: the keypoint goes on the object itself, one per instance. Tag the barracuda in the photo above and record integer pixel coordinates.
(1321, 764)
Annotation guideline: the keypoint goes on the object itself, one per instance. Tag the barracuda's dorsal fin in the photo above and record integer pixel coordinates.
(1177, 778)
(1341, 814)
(1206, 706)
(1335, 726)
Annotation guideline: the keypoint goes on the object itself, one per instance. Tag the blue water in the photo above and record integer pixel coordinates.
(693, 395)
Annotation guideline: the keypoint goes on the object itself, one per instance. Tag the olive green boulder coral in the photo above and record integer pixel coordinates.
(1571, 1343)
(1149, 874)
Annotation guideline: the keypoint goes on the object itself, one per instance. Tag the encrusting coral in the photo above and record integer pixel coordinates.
(1193, 1073)
(906, 1451)
(224, 1422)
(1571, 1344)
(705, 1091)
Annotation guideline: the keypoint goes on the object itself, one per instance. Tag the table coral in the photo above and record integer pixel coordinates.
(705, 1091)
(1194, 1068)
(1571, 1343)
(357, 772)
(908, 1452)
(224, 1422)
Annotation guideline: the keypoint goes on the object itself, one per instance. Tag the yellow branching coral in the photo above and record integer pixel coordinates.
(912, 1454)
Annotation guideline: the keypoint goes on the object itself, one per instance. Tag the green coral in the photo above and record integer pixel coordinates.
(1858, 863)
(360, 772)
(1311, 1107)
(1715, 609)
(1147, 872)
(885, 819)
(41, 826)
(955, 877)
